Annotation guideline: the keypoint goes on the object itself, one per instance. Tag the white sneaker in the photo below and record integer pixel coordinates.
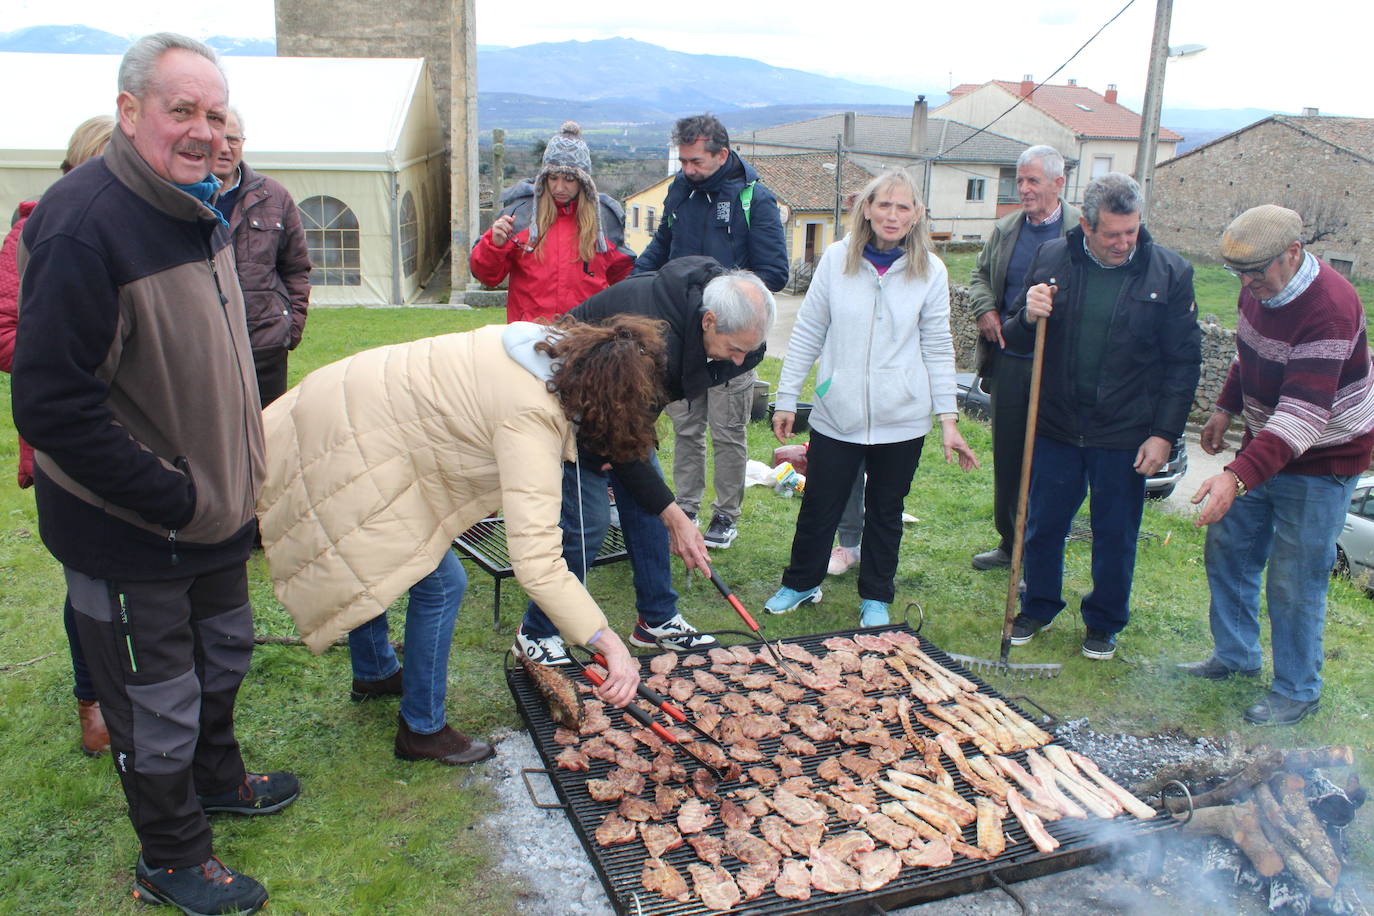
(542, 650)
(841, 558)
(673, 633)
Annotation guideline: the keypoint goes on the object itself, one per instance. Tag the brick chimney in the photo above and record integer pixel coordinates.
(1027, 86)
(1310, 112)
(1073, 82)
(848, 139)
(919, 124)
(1111, 94)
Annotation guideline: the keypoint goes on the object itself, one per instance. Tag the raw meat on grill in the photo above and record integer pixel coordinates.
(714, 886)
(877, 868)
(615, 829)
(621, 741)
(748, 848)
(695, 660)
(830, 874)
(744, 655)
(647, 738)
(734, 816)
(662, 664)
(798, 785)
(694, 816)
(796, 809)
(681, 689)
(859, 795)
(633, 808)
(570, 758)
(863, 767)
(874, 643)
(737, 703)
(849, 699)
(849, 662)
(798, 746)
(788, 838)
(841, 644)
(756, 804)
(746, 751)
(708, 681)
(787, 766)
(593, 723)
(704, 784)
(708, 848)
(769, 703)
(830, 770)
(797, 653)
(758, 727)
(756, 681)
(820, 682)
(845, 811)
(886, 830)
(932, 854)
(599, 749)
(665, 768)
(846, 845)
(794, 883)
(603, 790)
(565, 737)
(666, 799)
(734, 671)
(719, 655)
(711, 753)
(763, 776)
(662, 878)
(657, 682)
(755, 878)
(633, 762)
(659, 838)
(787, 691)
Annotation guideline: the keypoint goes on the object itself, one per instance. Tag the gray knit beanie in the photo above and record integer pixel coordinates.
(1259, 235)
(567, 152)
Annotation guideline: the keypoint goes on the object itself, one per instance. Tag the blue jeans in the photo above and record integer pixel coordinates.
(1060, 477)
(434, 602)
(1290, 522)
(584, 531)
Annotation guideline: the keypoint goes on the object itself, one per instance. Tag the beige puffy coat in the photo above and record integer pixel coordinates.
(376, 462)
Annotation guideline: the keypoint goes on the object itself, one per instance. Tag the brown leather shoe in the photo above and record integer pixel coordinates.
(447, 746)
(95, 739)
(370, 690)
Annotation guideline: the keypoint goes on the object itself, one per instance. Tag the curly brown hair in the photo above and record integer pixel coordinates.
(609, 379)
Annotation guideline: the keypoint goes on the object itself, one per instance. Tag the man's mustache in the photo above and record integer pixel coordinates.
(194, 146)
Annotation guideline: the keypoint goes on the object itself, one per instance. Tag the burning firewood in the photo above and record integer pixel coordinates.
(1309, 835)
(1239, 823)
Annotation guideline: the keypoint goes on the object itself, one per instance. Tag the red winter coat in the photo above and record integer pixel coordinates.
(551, 280)
(9, 320)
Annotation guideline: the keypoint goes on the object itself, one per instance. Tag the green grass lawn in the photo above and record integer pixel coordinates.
(371, 834)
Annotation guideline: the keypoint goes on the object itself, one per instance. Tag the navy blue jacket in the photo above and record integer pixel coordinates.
(707, 218)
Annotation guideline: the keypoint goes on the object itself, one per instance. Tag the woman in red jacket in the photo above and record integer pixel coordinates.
(88, 140)
(557, 239)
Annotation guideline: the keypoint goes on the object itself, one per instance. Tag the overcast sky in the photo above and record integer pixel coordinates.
(1263, 54)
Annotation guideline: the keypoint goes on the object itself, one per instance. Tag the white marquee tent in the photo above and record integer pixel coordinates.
(357, 142)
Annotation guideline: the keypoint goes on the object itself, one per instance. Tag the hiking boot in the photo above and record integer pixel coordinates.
(542, 650)
(1214, 669)
(447, 746)
(873, 613)
(208, 889)
(1099, 645)
(789, 599)
(1277, 709)
(996, 558)
(841, 558)
(259, 793)
(721, 533)
(673, 633)
(1024, 628)
(371, 690)
(95, 738)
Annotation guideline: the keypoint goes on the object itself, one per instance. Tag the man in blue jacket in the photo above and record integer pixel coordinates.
(716, 207)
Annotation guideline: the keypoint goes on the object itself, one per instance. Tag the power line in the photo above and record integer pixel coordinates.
(1023, 98)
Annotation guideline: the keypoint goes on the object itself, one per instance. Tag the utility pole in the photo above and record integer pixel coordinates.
(839, 198)
(1147, 150)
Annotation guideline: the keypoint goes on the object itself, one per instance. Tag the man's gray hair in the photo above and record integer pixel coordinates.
(740, 302)
(701, 127)
(1050, 159)
(1114, 193)
(140, 61)
(238, 116)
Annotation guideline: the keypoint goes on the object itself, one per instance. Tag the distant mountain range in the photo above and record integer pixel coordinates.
(626, 93)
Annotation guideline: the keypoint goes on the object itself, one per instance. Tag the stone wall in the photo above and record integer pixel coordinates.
(1218, 346)
(367, 28)
(1196, 195)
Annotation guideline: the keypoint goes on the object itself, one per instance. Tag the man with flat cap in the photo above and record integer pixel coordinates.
(1301, 384)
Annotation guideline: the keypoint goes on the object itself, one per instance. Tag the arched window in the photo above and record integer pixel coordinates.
(331, 231)
(410, 236)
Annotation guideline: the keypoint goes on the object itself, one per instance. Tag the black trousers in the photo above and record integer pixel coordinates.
(271, 371)
(832, 466)
(167, 659)
(1009, 390)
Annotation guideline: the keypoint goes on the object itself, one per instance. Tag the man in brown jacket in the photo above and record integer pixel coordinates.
(272, 256)
(133, 380)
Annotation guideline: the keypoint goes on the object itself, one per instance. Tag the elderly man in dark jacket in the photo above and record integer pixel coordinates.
(717, 207)
(272, 256)
(1122, 358)
(715, 325)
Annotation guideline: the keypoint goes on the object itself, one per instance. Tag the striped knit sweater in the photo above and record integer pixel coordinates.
(1301, 380)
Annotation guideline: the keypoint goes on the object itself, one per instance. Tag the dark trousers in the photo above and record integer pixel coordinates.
(1009, 390)
(832, 467)
(271, 370)
(167, 659)
(82, 688)
(1060, 476)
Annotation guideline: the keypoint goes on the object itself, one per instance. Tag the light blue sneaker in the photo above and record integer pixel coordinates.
(789, 599)
(873, 613)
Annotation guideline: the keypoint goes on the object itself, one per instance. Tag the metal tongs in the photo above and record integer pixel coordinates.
(779, 662)
(646, 720)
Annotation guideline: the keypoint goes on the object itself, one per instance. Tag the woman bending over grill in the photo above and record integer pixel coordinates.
(877, 319)
(376, 463)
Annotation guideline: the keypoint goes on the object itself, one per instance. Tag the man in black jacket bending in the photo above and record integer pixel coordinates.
(1122, 358)
(715, 325)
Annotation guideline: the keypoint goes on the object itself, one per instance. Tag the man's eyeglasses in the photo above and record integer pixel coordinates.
(1252, 274)
(235, 142)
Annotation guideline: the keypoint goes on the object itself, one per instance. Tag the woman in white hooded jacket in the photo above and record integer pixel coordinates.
(877, 318)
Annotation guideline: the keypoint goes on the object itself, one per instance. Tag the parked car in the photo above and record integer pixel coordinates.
(1355, 544)
(974, 402)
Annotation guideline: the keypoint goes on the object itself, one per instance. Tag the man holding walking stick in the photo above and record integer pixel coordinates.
(1121, 363)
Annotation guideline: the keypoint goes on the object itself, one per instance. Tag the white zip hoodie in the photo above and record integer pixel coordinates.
(885, 349)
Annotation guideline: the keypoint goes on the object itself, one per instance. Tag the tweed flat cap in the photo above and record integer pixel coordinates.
(1259, 235)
